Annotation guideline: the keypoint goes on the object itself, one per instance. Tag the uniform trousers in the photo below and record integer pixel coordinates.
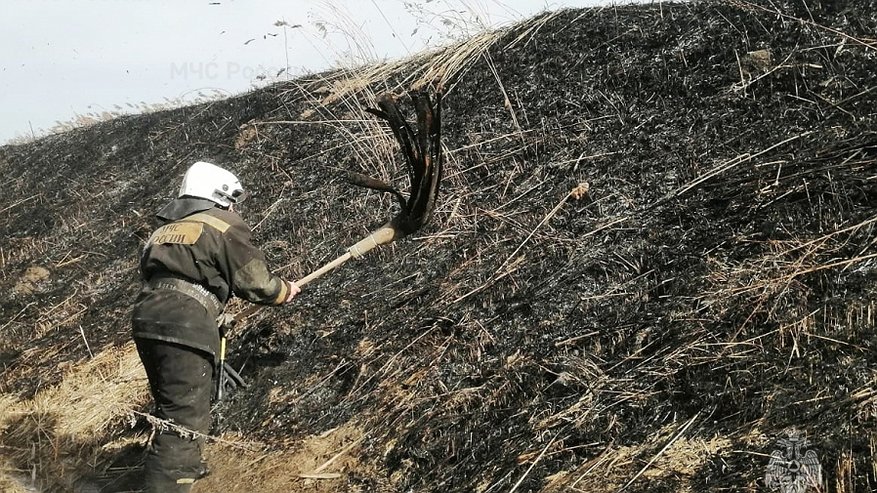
(181, 382)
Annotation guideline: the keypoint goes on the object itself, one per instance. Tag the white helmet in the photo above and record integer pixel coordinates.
(209, 181)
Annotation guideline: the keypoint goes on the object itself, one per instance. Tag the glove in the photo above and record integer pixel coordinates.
(225, 322)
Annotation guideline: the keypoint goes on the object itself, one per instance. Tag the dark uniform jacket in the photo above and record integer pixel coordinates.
(207, 246)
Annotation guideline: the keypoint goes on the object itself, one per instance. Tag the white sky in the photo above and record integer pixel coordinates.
(63, 58)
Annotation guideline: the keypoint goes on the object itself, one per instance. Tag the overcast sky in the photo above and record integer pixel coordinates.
(63, 58)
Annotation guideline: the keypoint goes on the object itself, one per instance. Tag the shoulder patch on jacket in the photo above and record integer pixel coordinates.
(182, 233)
(209, 220)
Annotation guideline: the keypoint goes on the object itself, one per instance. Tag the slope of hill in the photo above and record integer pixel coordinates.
(654, 255)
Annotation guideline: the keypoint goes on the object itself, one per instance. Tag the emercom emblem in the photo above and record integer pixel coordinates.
(793, 468)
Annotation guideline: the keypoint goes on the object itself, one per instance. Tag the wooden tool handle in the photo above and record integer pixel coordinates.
(381, 236)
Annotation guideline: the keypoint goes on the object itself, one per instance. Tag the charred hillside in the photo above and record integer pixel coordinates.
(654, 254)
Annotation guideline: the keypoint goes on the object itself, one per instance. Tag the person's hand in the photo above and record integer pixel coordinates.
(293, 290)
(226, 322)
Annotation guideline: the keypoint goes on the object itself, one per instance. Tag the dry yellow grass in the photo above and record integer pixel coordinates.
(60, 433)
(611, 469)
(318, 464)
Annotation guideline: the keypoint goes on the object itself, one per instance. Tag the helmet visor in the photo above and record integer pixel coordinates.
(235, 197)
(239, 196)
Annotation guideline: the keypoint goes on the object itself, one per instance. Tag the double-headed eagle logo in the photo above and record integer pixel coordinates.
(793, 468)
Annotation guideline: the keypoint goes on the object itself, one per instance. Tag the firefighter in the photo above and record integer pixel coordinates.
(191, 266)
